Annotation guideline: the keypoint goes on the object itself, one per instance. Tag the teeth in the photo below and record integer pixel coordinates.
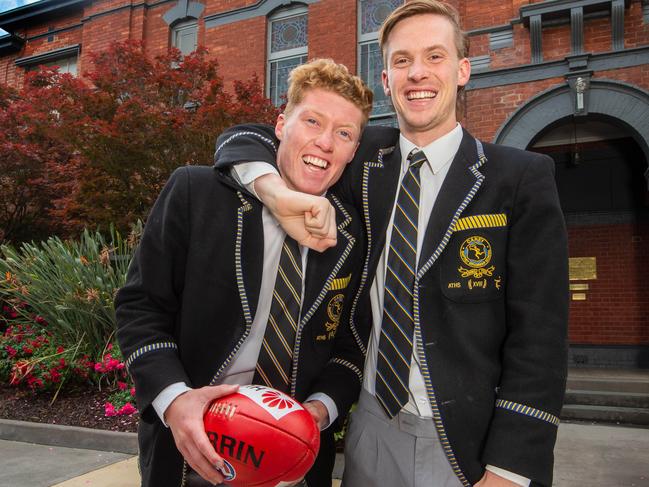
(419, 95)
(315, 161)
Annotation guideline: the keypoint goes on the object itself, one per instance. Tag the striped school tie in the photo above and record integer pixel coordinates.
(397, 327)
(276, 355)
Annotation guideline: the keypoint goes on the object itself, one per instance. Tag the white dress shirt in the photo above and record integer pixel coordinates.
(242, 367)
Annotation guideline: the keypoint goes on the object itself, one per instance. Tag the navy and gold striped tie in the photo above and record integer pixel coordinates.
(397, 327)
(276, 355)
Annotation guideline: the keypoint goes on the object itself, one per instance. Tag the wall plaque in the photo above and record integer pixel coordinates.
(582, 268)
(579, 287)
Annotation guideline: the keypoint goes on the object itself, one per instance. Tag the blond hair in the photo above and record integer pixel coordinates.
(423, 7)
(328, 75)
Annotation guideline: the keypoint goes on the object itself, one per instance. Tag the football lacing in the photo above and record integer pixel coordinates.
(224, 409)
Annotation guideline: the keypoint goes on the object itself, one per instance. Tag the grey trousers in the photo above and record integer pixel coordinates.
(400, 452)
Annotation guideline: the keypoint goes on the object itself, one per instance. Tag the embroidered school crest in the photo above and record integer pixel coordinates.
(476, 253)
(335, 307)
(334, 310)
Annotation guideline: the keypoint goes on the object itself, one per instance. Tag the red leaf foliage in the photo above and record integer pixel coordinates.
(91, 151)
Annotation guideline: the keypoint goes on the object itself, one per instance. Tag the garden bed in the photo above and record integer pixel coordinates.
(72, 408)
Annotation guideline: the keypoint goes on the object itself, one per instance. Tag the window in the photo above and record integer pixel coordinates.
(184, 36)
(65, 65)
(287, 48)
(371, 14)
(66, 59)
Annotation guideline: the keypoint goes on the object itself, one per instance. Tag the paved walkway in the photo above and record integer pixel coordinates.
(593, 455)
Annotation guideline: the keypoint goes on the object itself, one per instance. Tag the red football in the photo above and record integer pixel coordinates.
(266, 438)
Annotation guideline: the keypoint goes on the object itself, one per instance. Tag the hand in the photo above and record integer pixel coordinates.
(490, 479)
(185, 418)
(310, 220)
(319, 412)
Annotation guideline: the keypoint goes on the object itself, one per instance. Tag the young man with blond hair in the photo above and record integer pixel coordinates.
(465, 273)
(207, 278)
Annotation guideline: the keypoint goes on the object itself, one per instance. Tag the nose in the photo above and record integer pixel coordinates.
(417, 71)
(324, 141)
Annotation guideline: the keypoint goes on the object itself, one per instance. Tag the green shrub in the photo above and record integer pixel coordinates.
(70, 284)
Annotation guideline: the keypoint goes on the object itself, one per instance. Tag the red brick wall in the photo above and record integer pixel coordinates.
(489, 108)
(241, 59)
(156, 32)
(636, 30)
(555, 40)
(329, 36)
(616, 310)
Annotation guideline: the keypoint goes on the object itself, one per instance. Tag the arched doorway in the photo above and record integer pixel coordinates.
(601, 171)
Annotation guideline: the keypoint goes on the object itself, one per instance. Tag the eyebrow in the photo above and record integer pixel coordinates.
(402, 52)
(321, 114)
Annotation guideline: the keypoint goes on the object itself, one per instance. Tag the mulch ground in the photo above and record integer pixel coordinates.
(73, 408)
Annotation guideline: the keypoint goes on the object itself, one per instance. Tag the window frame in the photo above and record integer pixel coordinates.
(284, 55)
(179, 28)
(366, 39)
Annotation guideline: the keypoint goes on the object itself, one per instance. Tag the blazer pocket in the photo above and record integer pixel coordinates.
(474, 262)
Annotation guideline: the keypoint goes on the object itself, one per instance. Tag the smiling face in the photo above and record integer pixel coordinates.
(422, 76)
(318, 138)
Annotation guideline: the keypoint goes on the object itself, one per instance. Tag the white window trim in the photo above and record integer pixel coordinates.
(179, 27)
(271, 57)
(364, 39)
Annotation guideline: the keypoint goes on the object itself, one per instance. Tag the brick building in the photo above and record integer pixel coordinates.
(569, 78)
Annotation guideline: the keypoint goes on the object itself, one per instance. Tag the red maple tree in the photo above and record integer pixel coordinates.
(95, 151)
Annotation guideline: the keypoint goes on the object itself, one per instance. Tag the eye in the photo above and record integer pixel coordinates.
(346, 134)
(400, 61)
(311, 121)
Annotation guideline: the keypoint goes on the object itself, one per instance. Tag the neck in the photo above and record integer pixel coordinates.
(423, 138)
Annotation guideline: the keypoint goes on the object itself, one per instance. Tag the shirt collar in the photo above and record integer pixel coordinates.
(439, 152)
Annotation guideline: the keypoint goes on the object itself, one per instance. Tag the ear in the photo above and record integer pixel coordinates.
(463, 71)
(384, 82)
(279, 125)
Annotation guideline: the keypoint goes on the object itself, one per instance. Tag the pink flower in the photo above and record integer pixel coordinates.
(109, 409)
(98, 367)
(109, 346)
(122, 385)
(11, 351)
(40, 320)
(133, 391)
(127, 409)
(60, 349)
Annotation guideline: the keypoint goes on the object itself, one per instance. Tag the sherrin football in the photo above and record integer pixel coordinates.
(266, 438)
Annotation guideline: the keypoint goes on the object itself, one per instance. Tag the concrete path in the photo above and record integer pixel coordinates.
(30, 465)
(586, 454)
(601, 456)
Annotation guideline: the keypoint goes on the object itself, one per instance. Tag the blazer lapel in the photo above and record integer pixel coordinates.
(380, 184)
(249, 255)
(460, 185)
(322, 267)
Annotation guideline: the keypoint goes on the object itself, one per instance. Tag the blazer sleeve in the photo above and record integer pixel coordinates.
(148, 304)
(246, 143)
(523, 429)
